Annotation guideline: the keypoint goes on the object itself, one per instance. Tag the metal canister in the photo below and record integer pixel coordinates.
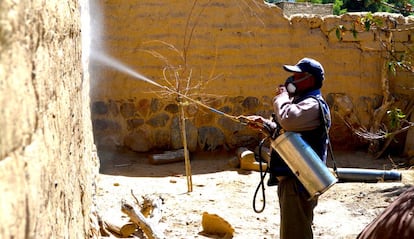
(304, 163)
(367, 175)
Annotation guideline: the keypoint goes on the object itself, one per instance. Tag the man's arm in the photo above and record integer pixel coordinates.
(298, 117)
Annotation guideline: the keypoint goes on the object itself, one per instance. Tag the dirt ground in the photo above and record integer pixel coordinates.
(342, 212)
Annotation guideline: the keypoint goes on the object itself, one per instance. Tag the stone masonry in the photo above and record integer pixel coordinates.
(290, 8)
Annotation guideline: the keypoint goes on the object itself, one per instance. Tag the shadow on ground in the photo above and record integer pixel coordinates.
(132, 164)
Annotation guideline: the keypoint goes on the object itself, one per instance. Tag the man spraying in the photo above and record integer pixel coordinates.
(299, 107)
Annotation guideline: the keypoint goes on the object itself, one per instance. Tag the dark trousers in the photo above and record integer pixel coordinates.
(296, 210)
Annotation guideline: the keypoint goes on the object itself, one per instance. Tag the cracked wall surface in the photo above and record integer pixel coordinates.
(48, 163)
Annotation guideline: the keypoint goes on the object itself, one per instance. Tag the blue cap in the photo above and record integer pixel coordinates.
(308, 65)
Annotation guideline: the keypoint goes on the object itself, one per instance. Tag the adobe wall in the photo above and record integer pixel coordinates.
(48, 163)
(229, 55)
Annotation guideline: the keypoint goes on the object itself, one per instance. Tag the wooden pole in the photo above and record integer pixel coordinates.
(186, 154)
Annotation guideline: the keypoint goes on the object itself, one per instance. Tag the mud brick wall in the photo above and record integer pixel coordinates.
(228, 55)
(48, 163)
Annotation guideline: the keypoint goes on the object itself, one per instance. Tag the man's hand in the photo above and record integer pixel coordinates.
(253, 121)
(258, 122)
(281, 89)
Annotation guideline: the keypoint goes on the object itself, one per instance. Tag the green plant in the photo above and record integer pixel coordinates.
(337, 7)
(395, 116)
(395, 61)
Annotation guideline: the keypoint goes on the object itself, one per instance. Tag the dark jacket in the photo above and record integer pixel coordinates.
(304, 115)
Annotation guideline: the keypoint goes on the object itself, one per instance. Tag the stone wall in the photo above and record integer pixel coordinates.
(227, 55)
(290, 8)
(48, 163)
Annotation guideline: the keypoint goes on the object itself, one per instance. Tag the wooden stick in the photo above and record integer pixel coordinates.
(102, 229)
(136, 217)
(186, 155)
(151, 208)
(124, 230)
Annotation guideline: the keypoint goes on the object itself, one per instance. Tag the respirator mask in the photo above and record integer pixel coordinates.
(297, 86)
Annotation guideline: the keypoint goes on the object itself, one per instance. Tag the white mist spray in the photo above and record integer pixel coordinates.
(95, 53)
(94, 49)
(119, 66)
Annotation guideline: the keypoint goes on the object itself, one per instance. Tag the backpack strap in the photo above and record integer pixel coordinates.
(326, 122)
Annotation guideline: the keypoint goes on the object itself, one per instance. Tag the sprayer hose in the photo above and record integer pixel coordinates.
(261, 183)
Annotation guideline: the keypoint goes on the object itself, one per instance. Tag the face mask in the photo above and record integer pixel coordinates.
(290, 86)
(293, 86)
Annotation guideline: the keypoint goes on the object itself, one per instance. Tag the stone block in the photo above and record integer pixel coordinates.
(134, 123)
(167, 157)
(106, 125)
(158, 120)
(402, 36)
(248, 161)
(210, 138)
(176, 135)
(139, 140)
(171, 108)
(127, 109)
(99, 108)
